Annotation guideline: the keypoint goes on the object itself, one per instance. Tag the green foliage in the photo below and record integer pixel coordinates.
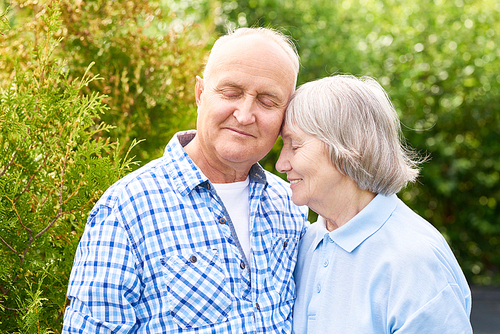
(437, 59)
(148, 55)
(53, 166)
(58, 119)
(30, 308)
(147, 52)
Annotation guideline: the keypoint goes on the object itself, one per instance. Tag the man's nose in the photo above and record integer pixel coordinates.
(244, 112)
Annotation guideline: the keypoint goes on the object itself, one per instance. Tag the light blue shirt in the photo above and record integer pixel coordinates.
(386, 271)
(160, 255)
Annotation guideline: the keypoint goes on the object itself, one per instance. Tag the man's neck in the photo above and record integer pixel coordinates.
(217, 171)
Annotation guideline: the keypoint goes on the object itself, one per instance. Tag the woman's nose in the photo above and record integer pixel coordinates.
(283, 164)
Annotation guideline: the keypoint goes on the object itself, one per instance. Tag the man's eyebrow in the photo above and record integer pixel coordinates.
(229, 83)
(269, 94)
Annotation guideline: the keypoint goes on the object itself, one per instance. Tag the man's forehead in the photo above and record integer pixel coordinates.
(252, 50)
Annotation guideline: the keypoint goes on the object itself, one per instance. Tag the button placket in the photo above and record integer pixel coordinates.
(326, 248)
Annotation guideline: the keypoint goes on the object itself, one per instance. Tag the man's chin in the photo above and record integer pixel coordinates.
(238, 159)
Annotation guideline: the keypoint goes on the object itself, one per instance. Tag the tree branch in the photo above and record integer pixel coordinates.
(75, 192)
(30, 231)
(10, 247)
(9, 164)
(61, 214)
(46, 228)
(31, 178)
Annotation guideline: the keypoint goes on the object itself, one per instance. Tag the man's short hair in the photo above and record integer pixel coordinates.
(279, 38)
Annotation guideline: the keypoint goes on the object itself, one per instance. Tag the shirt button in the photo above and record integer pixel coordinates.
(222, 220)
(285, 244)
(242, 265)
(325, 264)
(193, 259)
(318, 288)
(257, 306)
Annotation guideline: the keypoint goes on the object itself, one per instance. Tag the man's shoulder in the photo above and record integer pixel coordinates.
(277, 184)
(280, 194)
(138, 181)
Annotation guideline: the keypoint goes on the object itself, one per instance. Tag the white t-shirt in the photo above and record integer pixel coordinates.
(235, 198)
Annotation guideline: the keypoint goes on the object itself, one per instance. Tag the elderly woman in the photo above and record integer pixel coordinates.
(369, 264)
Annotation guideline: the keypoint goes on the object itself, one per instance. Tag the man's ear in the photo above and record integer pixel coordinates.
(198, 90)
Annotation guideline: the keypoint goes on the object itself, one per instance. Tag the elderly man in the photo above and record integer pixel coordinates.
(203, 239)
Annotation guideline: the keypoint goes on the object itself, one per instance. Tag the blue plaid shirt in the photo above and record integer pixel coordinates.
(159, 255)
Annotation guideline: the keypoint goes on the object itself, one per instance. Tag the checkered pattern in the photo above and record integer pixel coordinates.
(156, 257)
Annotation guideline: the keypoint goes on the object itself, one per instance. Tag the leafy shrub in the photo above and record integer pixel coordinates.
(53, 167)
(58, 120)
(149, 58)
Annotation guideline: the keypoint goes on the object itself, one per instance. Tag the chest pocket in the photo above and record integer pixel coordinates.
(281, 264)
(198, 293)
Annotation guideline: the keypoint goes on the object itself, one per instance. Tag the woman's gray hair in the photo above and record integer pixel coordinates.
(356, 120)
(269, 34)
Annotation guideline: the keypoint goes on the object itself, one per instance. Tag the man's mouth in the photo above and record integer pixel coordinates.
(243, 133)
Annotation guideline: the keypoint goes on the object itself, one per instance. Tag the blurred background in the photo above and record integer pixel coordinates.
(437, 59)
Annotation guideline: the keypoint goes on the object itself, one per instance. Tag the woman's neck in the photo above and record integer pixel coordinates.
(345, 205)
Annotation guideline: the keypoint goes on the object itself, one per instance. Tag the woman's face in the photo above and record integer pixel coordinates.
(313, 178)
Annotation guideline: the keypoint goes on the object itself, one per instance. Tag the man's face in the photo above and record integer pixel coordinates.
(242, 101)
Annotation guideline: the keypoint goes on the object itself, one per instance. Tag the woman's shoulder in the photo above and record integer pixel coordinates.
(314, 232)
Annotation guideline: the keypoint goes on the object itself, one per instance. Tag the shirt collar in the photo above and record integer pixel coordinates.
(321, 231)
(183, 171)
(362, 226)
(257, 174)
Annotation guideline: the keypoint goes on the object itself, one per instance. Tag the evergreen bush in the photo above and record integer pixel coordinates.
(60, 119)
(149, 55)
(54, 164)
